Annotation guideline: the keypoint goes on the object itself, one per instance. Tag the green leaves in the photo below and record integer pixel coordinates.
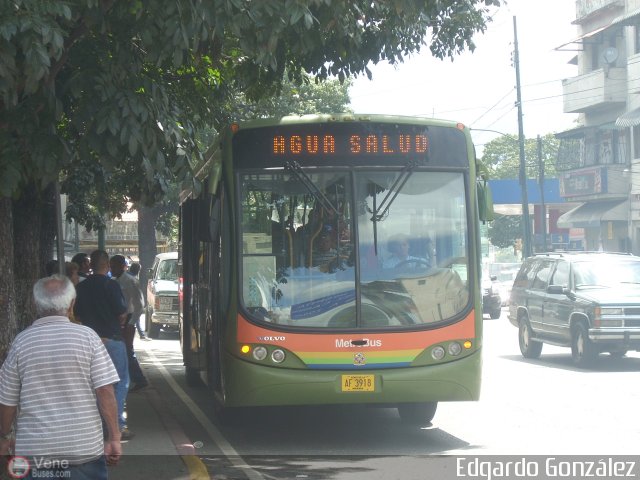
(127, 90)
(502, 156)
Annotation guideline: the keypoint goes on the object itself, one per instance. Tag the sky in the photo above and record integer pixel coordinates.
(479, 88)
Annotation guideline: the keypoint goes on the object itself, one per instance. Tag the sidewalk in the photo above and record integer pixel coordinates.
(160, 449)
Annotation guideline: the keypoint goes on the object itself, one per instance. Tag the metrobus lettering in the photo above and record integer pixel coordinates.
(346, 343)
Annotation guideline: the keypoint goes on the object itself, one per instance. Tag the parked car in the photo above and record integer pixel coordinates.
(588, 301)
(505, 273)
(505, 284)
(162, 294)
(491, 301)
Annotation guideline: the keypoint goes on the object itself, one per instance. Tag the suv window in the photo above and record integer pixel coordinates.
(526, 274)
(542, 275)
(561, 275)
(168, 270)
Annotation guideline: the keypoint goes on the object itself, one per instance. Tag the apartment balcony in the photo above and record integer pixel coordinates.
(596, 89)
(588, 8)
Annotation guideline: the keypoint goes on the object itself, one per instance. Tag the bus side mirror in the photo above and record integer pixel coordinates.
(485, 201)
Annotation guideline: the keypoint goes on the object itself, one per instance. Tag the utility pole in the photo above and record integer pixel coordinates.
(527, 250)
(544, 207)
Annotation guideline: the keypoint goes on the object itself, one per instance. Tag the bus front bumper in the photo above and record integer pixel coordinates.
(249, 384)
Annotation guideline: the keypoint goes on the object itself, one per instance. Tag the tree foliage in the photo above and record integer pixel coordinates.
(112, 96)
(504, 230)
(128, 84)
(311, 96)
(502, 156)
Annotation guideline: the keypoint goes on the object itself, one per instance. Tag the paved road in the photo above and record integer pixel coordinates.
(527, 407)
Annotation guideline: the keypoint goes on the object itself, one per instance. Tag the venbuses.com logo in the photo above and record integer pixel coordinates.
(18, 467)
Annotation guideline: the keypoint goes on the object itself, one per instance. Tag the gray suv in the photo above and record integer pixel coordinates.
(589, 301)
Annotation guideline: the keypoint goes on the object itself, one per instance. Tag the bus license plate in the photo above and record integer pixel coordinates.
(358, 383)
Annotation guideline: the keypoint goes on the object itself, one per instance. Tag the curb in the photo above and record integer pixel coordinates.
(184, 447)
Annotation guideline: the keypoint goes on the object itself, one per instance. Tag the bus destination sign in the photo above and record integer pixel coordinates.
(372, 144)
(347, 144)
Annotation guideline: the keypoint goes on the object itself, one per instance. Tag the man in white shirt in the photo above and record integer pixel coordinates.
(58, 381)
(135, 304)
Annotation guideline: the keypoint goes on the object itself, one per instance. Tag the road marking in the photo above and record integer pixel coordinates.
(227, 450)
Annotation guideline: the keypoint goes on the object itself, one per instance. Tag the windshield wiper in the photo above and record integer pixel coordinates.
(394, 190)
(297, 171)
(384, 207)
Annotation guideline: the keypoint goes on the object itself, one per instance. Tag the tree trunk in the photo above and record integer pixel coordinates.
(48, 227)
(26, 243)
(8, 317)
(147, 247)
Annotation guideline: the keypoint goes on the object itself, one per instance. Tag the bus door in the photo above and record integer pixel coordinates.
(200, 232)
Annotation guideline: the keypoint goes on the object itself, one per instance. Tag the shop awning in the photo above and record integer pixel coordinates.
(590, 214)
(630, 18)
(579, 40)
(629, 119)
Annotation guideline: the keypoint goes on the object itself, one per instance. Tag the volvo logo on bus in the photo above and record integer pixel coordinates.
(272, 339)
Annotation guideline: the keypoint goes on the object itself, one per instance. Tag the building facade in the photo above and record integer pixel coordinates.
(599, 161)
(121, 236)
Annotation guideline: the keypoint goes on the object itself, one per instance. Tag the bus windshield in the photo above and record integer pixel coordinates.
(351, 249)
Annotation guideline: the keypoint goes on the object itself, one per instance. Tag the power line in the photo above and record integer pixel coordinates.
(494, 106)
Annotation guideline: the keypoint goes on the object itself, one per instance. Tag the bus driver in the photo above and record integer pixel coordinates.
(398, 247)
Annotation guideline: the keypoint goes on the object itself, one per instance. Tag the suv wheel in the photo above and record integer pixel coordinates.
(528, 347)
(618, 353)
(495, 314)
(583, 350)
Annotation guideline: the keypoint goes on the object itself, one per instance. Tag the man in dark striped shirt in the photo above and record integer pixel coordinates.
(58, 379)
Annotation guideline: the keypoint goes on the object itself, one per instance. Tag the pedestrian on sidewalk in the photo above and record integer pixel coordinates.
(135, 304)
(84, 265)
(57, 381)
(134, 270)
(100, 305)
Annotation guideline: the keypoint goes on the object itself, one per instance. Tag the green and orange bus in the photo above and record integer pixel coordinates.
(334, 259)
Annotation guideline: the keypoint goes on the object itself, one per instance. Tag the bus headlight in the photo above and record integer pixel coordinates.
(454, 349)
(278, 356)
(437, 353)
(260, 353)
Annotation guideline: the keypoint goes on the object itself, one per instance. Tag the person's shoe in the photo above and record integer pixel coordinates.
(139, 386)
(145, 338)
(126, 434)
